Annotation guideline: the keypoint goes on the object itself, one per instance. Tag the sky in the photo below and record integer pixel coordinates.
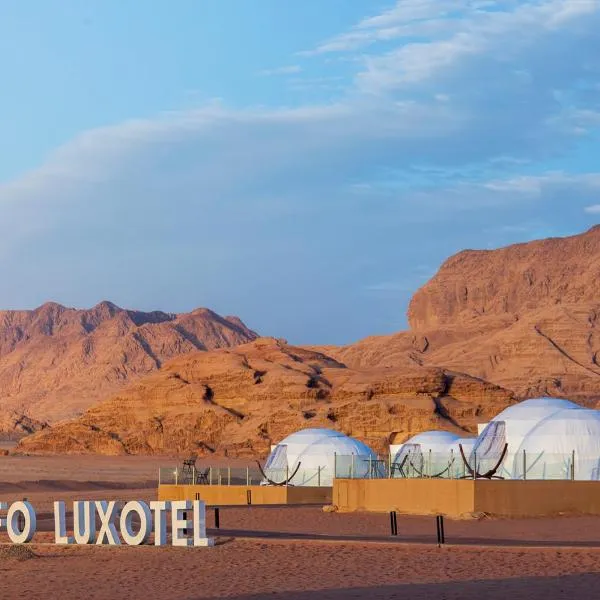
(303, 165)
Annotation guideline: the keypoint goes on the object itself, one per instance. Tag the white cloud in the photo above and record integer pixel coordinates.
(286, 70)
(260, 195)
(593, 209)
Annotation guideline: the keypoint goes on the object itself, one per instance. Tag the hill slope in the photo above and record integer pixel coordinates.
(55, 362)
(239, 401)
(524, 317)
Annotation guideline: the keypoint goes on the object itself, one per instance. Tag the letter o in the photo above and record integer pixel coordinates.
(142, 510)
(16, 535)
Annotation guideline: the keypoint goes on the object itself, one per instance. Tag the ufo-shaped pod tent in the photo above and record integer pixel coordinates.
(564, 445)
(519, 419)
(312, 457)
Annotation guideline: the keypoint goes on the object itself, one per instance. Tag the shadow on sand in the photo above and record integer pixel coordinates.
(458, 540)
(585, 586)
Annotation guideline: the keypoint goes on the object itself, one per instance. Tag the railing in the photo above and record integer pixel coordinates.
(210, 475)
(451, 465)
(423, 465)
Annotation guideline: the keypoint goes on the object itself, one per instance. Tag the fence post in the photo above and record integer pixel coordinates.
(474, 464)
(194, 475)
(176, 479)
(228, 475)
(573, 465)
(319, 476)
(429, 465)
(247, 475)
(393, 523)
(287, 474)
(390, 465)
(159, 474)
(334, 465)
(441, 536)
(217, 518)
(524, 464)
(352, 467)
(370, 467)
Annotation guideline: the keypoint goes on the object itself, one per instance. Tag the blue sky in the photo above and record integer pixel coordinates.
(303, 165)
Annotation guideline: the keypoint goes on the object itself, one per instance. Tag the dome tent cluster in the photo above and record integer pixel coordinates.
(541, 438)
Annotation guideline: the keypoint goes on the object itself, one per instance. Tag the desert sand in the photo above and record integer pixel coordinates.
(299, 553)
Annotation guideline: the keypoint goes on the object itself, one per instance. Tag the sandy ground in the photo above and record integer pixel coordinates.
(292, 553)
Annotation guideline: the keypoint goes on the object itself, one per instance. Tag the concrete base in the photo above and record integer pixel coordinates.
(463, 497)
(242, 495)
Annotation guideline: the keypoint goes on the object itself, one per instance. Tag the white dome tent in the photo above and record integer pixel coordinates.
(564, 445)
(310, 457)
(427, 453)
(520, 419)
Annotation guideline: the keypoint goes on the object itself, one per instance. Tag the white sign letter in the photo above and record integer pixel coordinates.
(200, 538)
(16, 535)
(145, 516)
(3, 506)
(178, 523)
(60, 525)
(107, 512)
(160, 508)
(84, 522)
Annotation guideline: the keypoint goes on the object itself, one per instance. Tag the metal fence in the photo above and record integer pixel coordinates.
(211, 475)
(451, 465)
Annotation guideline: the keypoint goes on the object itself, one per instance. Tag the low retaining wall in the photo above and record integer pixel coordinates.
(236, 495)
(457, 498)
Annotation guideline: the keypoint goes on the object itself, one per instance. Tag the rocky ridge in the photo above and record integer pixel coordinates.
(524, 317)
(55, 362)
(241, 400)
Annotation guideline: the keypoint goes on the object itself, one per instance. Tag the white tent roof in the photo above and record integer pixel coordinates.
(521, 418)
(534, 410)
(549, 446)
(436, 441)
(320, 451)
(467, 443)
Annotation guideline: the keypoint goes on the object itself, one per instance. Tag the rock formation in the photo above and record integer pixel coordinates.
(55, 362)
(524, 317)
(239, 401)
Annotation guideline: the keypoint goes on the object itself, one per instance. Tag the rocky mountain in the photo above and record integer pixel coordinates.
(55, 362)
(489, 328)
(240, 400)
(524, 317)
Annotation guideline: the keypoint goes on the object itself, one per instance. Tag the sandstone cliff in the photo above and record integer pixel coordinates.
(524, 317)
(239, 401)
(56, 362)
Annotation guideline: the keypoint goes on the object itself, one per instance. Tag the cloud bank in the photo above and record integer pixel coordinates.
(458, 114)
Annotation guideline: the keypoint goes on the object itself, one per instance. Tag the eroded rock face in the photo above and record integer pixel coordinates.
(55, 362)
(510, 282)
(241, 400)
(524, 317)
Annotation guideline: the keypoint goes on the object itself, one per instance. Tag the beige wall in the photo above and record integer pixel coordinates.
(536, 498)
(457, 498)
(234, 495)
(409, 496)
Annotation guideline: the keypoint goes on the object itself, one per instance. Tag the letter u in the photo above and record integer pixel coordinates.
(84, 522)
